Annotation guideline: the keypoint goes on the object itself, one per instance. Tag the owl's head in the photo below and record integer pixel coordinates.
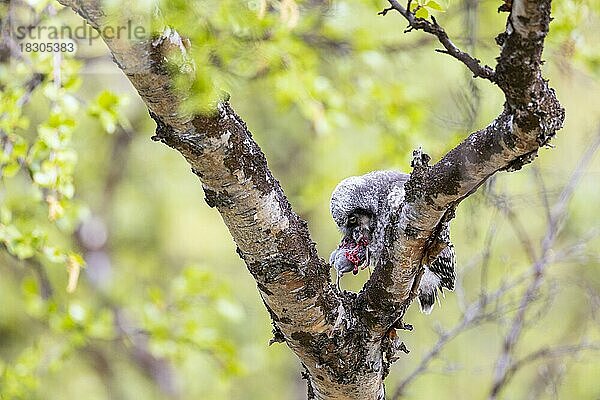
(353, 207)
(353, 251)
(359, 207)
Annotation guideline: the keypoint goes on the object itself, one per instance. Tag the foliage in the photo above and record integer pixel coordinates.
(330, 89)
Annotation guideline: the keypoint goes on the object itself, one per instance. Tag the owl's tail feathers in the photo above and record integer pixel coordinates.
(426, 301)
(429, 287)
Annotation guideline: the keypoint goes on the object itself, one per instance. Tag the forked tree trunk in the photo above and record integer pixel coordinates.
(346, 342)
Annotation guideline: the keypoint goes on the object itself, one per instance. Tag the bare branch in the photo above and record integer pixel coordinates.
(476, 313)
(449, 47)
(531, 116)
(543, 192)
(551, 352)
(546, 353)
(504, 206)
(313, 319)
(485, 262)
(504, 363)
(46, 289)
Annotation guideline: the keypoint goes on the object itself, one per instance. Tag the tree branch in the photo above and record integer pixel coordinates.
(475, 314)
(274, 242)
(503, 367)
(449, 47)
(340, 338)
(531, 116)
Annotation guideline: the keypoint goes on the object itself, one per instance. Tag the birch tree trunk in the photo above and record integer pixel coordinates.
(345, 342)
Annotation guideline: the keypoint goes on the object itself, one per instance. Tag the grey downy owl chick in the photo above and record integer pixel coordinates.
(361, 207)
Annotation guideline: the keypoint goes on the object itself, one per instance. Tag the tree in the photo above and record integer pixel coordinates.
(345, 342)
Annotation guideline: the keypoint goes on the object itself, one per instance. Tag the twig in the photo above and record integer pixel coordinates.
(435, 29)
(503, 204)
(559, 211)
(551, 352)
(30, 86)
(46, 290)
(475, 314)
(444, 338)
(476, 311)
(485, 262)
(543, 192)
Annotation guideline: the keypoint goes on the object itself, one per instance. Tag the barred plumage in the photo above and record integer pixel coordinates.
(437, 276)
(361, 207)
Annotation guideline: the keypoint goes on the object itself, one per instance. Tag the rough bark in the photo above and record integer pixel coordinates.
(530, 118)
(345, 341)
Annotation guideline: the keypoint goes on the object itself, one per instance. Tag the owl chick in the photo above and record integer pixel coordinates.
(361, 207)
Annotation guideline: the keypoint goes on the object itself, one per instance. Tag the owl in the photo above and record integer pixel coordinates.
(361, 206)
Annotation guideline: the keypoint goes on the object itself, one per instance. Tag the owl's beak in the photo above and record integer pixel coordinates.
(356, 252)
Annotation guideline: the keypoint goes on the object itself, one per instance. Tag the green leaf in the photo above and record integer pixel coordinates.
(77, 259)
(30, 286)
(422, 13)
(23, 250)
(19, 148)
(11, 169)
(49, 136)
(105, 108)
(434, 5)
(60, 121)
(5, 214)
(9, 234)
(108, 100)
(67, 189)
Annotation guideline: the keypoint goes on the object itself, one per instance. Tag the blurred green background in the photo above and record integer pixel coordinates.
(163, 307)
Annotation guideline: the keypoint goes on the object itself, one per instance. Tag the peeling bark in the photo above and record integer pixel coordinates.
(345, 341)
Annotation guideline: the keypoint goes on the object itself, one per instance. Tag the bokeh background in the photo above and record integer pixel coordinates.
(164, 309)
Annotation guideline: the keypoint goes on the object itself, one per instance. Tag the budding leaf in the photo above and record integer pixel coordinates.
(434, 5)
(422, 13)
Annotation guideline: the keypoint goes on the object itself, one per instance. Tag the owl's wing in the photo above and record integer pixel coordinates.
(438, 275)
(444, 267)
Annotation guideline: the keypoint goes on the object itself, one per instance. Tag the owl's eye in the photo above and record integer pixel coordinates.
(352, 219)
